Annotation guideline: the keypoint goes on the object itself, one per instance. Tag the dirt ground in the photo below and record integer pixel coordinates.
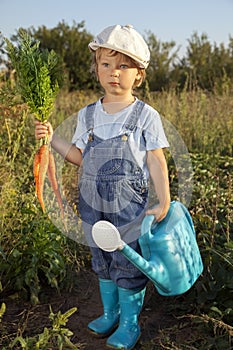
(85, 296)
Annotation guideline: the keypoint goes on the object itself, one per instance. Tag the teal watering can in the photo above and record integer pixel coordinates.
(170, 255)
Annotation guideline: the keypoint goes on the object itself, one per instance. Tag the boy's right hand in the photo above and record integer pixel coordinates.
(43, 129)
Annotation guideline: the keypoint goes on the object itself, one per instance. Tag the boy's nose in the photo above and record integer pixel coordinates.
(115, 73)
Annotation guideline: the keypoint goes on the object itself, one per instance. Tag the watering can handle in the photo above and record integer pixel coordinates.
(146, 224)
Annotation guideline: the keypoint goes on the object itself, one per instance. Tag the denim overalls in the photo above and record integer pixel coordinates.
(113, 187)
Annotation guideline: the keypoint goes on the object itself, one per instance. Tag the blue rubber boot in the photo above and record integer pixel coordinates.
(128, 332)
(106, 324)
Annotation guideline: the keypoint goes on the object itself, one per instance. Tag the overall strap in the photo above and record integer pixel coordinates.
(134, 116)
(89, 116)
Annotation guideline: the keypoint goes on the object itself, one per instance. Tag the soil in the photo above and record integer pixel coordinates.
(31, 320)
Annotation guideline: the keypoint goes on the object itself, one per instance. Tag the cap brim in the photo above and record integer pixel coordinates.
(94, 46)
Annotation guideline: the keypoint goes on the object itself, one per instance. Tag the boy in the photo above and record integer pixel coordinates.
(119, 141)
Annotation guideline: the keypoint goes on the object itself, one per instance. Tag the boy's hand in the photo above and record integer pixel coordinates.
(43, 129)
(159, 212)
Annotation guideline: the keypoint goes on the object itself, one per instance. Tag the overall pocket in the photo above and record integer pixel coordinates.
(107, 160)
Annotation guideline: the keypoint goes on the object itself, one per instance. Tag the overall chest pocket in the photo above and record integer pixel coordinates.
(107, 160)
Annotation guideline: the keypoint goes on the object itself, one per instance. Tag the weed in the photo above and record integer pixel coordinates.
(55, 337)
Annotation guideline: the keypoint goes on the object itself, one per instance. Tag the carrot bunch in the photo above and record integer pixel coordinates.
(37, 81)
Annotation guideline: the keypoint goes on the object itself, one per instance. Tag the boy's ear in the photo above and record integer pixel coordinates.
(138, 76)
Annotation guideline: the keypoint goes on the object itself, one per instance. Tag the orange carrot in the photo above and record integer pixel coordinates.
(36, 166)
(53, 181)
(41, 161)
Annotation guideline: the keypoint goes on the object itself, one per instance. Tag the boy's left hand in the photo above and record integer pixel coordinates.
(159, 212)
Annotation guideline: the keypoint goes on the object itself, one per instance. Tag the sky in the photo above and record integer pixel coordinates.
(168, 20)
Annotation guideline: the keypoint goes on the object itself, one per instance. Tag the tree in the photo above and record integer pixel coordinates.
(208, 65)
(199, 57)
(71, 43)
(161, 62)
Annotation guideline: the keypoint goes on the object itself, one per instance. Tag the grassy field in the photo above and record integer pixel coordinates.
(34, 254)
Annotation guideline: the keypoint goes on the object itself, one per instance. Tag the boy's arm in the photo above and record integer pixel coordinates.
(67, 150)
(159, 174)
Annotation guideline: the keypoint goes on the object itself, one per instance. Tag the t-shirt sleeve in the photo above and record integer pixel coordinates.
(153, 133)
(80, 136)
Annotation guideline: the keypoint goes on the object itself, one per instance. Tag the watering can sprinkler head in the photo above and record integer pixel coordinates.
(170, 255)
(106, 236)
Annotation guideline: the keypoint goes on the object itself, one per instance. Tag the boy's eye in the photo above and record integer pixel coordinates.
(124, 66)
(105, 64)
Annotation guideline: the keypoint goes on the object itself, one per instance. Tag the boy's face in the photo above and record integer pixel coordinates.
(116, 72)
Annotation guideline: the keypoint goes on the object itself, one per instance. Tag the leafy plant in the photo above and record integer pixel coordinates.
(55, 337)
(37, 257)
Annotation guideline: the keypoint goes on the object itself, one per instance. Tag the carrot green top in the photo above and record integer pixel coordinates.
(35, 74)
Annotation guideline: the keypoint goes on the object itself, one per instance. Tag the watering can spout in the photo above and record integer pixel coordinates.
(155, 270)
(170, 255)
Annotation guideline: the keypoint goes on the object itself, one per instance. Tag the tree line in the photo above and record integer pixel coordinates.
(205, 65)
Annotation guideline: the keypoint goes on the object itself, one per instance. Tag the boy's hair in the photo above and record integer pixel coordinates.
(96, 57)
